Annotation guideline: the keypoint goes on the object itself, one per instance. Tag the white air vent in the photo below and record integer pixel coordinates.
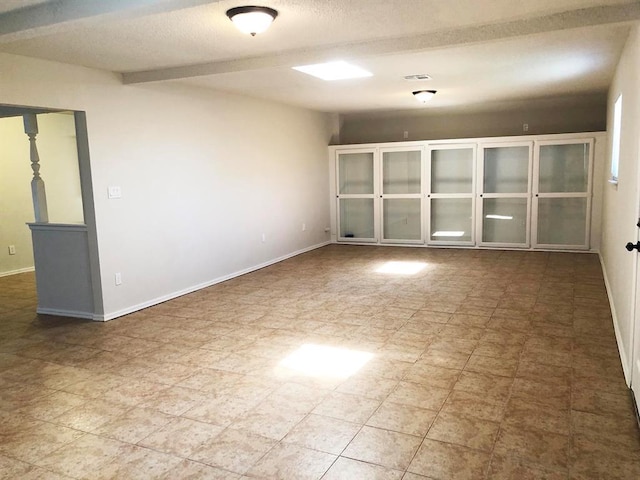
(417, 77)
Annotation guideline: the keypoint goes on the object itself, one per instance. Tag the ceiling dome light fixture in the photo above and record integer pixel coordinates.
(424, 95)
(252, 19)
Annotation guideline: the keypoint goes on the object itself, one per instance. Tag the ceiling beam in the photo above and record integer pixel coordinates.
(52, 17)
(585, 17)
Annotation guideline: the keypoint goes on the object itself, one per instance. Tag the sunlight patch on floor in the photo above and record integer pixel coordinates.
(324, 361)
(402, 268)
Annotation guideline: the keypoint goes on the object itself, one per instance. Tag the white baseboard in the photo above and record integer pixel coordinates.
(171, 296)
(624, 358)
(464, 247)
(65, 313)
(15, 272)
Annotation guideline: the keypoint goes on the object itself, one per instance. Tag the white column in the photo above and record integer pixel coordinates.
(37, 184)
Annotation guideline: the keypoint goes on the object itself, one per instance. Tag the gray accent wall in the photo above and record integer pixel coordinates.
(585, 113)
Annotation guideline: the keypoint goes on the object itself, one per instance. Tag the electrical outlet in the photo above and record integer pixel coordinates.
(264, 237)
(12, 249)
(525, 127)
(118, 279)
(405, 134)
(304, 227)
(114, 192)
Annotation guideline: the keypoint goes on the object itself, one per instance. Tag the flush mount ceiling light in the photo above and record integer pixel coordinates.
(329, 71)
(252, 19)
(424, 95)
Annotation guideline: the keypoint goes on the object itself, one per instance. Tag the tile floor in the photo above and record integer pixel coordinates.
(484, 364)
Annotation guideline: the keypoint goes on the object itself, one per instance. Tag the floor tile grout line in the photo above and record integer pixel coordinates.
(504, 411)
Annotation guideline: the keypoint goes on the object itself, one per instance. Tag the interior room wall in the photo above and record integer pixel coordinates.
(212, 184)
(16, 208)
(58, 154)
(620, 206)
(567, 115)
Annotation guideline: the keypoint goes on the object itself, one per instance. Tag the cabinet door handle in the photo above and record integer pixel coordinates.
(630, 246)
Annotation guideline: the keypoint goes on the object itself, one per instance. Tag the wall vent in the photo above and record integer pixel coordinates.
(417, 77)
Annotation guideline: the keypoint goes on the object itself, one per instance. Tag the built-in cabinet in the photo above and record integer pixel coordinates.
(401, 195)
(563, 193)
(357, 205)
(508, 193)
(451, 173)
(505, 194)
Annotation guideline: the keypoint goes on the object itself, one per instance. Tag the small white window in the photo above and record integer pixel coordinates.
(615, 139)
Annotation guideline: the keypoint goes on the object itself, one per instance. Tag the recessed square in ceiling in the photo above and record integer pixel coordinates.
(330, 71)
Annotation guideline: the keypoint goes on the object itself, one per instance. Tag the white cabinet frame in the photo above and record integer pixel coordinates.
(484, 195)
(597, 142)
(373, 196)
(391, 196)
(429, 195)
(537, 195)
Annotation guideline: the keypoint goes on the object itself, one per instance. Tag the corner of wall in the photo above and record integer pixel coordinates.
(336, 121)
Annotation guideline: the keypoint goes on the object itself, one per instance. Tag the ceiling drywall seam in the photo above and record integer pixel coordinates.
(54, 17)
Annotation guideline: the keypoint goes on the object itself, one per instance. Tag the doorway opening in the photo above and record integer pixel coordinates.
(46, 208)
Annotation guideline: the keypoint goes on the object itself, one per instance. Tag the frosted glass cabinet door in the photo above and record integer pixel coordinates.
(505, 196)
(401, 172)
(402, 218)
(452, 170)
(562, 194)
(355, 173)
(562, 221)
(506, 169)
(504, 220)
(357, 190)
(563, 168)
(451, 219)
(451, 203)
(401, 194)
(357, 218)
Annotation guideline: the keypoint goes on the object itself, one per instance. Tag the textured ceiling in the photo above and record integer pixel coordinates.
(479, 52)
(568, 62)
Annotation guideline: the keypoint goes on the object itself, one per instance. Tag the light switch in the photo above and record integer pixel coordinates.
(115, 192)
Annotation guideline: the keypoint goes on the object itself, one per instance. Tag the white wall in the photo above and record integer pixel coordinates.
(203, 176)
(621, 209)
